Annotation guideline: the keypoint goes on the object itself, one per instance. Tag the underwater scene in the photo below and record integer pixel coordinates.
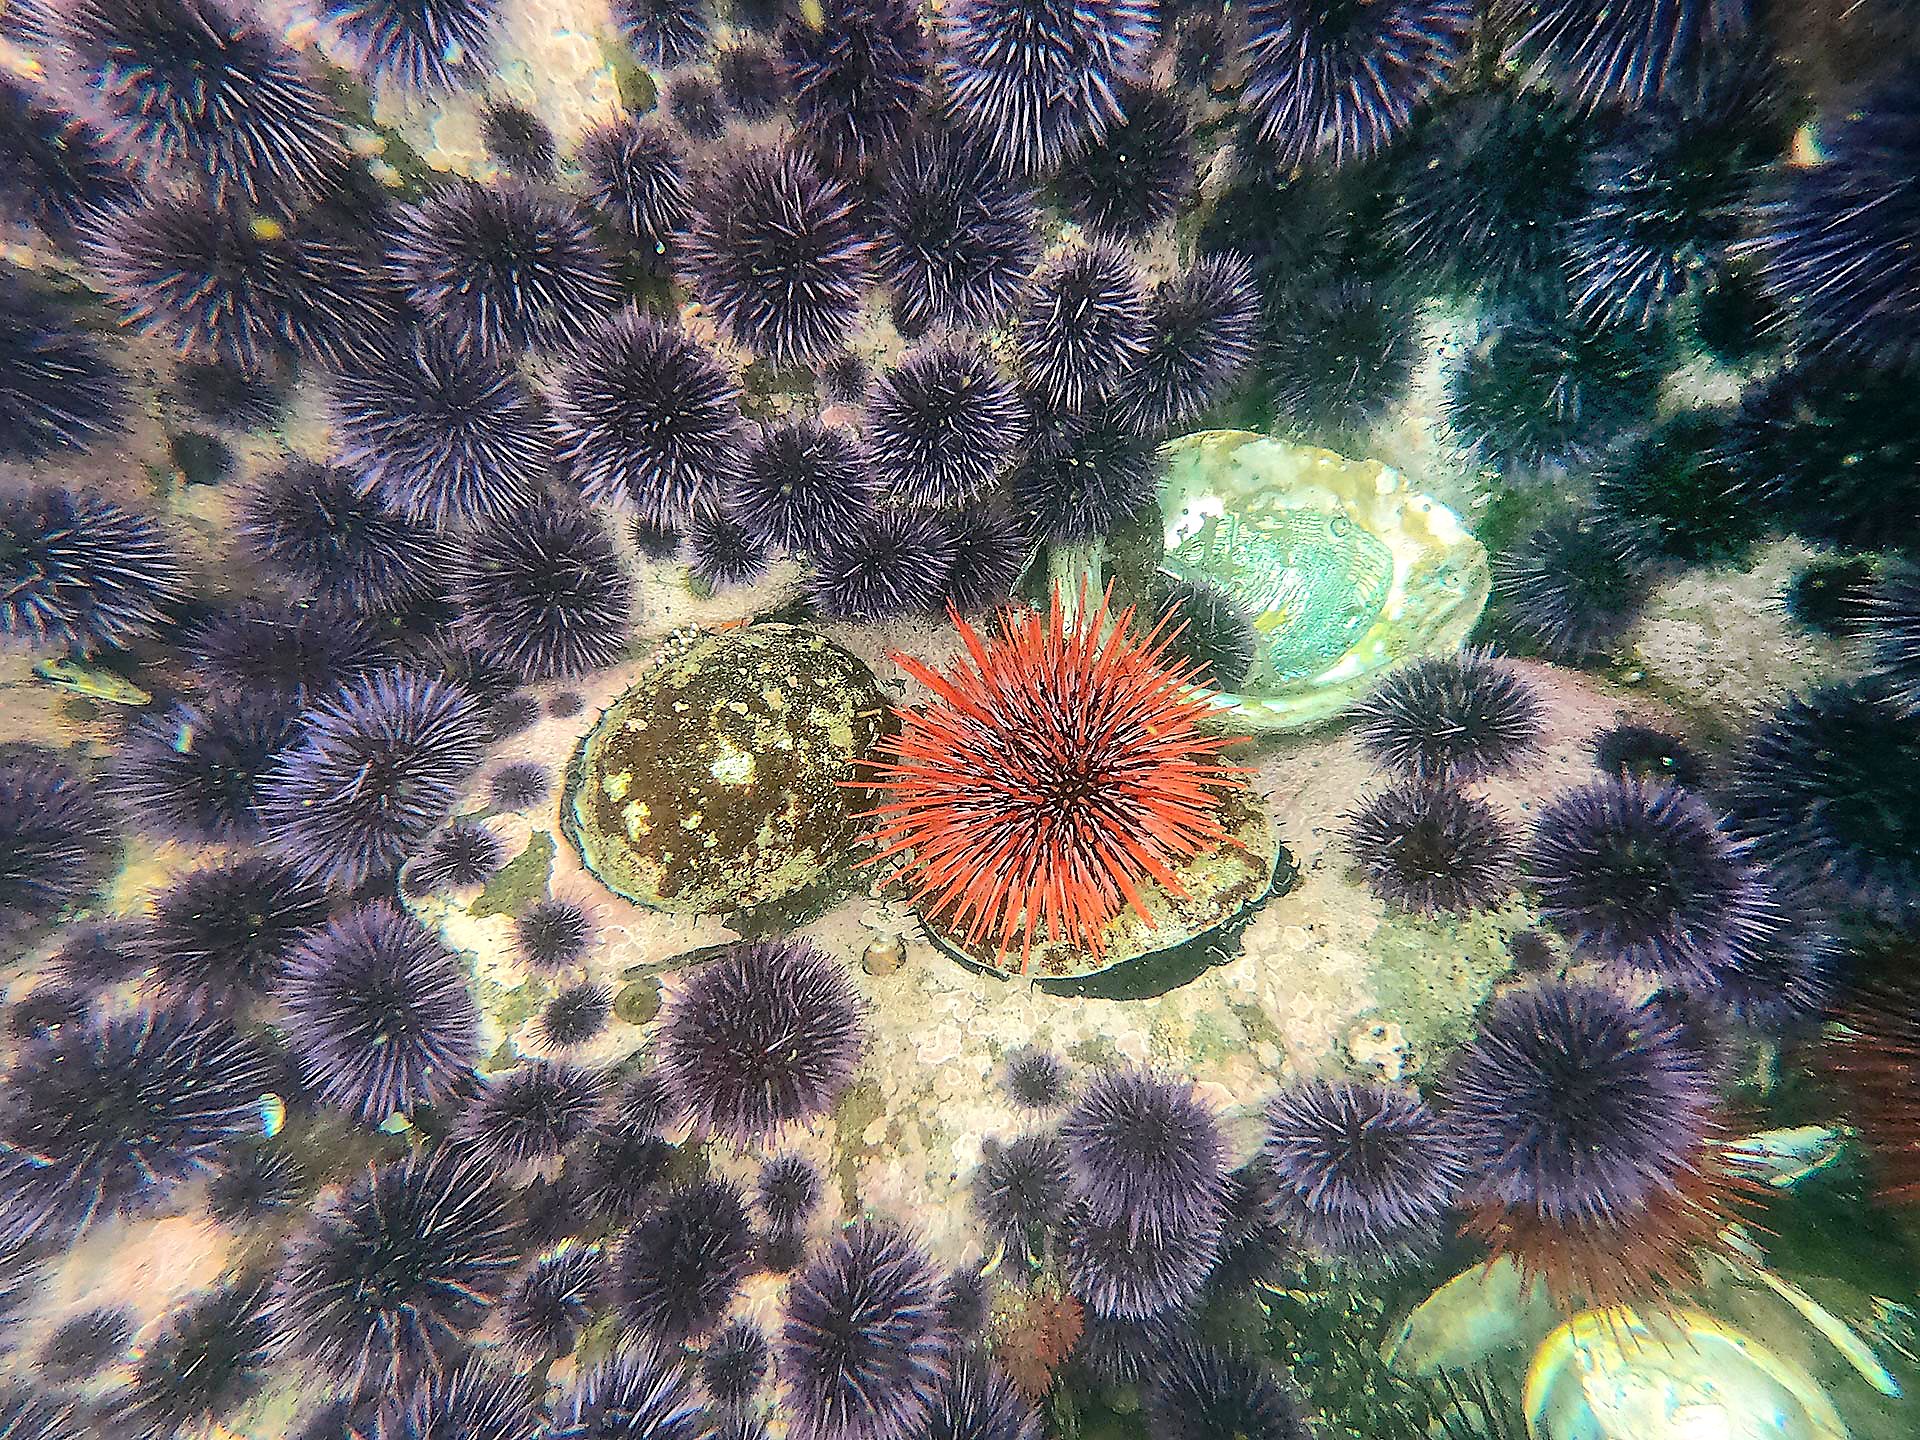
(959, 719)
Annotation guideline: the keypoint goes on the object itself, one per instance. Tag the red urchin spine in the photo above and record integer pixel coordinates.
(1057, 767)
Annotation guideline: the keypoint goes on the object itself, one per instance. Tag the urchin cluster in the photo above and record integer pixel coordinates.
(777, 252)
(943, 425)
(448, 437)
(1454, 717)
(387, 1278)
(543, 592)
(1359, 1172)
(379, 1013)
(377, 767)
(110, 1115)
(766, 1035)
(503, 269)
(647, 419)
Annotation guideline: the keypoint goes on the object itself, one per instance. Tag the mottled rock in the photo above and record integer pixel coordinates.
(716, 783)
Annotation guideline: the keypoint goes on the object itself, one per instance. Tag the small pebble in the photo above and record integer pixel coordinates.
(884, 956)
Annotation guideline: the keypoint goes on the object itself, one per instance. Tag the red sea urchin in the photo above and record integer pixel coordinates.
(1057, 769)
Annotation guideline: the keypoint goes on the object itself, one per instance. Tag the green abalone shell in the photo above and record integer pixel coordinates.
(1344, 569)
(717, 781)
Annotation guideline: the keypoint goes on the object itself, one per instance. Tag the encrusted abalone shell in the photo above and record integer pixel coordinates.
(1343, 568)
(716, 782)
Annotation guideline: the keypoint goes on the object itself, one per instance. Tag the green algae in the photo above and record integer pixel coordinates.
(522, 881)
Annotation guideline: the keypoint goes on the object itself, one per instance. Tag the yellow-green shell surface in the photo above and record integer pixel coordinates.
(717, 781)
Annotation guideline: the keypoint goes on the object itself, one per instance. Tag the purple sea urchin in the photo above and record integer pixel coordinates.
(857, 70)
(1146, 1155)
(519, 785)
(553, 934)
(1642, 876)
(777, 252)
(224, 931)
(799, 484)
(191, 82)
(1359, 1172)
(646, 418)
(518, 140)
(446, 437)
(543, 592)
(478, 1401)
(80, 571)
(1893, 630)
(503, 269)
(58, 393)
(1453, 717)
(636, 176)
(943, 425)
(575, 1015)
(255, 1182)
(734, 1363)
(1036, 1079)
(990, 549)
(1641, 752)
(954, 239)
(289, 651)
(107, 1116)
(311, 524)
(532, 1112)
(1135, 175)
(1634, 54)
(84, 1345)
(1080, 478)
(553, 1302)
(695, 104)
(211, 1354)
(249, 293)
(56, 168)
(1200, 1393)
(1571, 588)
(863, 1343)
(678, 1268)
(1836, 246)
(194, 771)
(1340, 357)
(722, 551)
(419, 45)
(788, 1190)
(1202, 332)
(1332, 84)
(378, 1013)
(1122, 1274)
(766, 1035)
(376, 769)
(895, 562)
(638, 1392)
(1824, 788)
(387, 1278)
(1084, 325)
(665, 33)
(1584, 1119)
(750, 78)
(1432, 848)
(1021, 1190)
(1032, 78)
(56, 837)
